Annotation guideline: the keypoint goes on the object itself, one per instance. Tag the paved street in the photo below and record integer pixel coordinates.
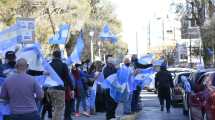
(151, 110)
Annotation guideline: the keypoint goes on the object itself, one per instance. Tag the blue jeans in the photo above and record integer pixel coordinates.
(26, 116)
(127, 104)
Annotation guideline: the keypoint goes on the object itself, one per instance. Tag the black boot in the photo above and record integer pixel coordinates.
(162, 108)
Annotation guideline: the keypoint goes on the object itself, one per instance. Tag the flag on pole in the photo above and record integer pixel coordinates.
(75, 57)
(61, 36)
(107, 35)
(147, 59)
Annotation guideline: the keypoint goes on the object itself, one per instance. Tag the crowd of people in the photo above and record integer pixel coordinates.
(27, 100)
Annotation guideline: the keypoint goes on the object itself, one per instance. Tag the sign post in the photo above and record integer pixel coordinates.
(26, 32)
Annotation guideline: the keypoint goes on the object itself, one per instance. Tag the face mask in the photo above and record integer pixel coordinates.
(127, 64)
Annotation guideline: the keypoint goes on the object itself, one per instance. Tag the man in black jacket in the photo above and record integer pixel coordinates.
(164, 83)
(57, 93)
(110, 104)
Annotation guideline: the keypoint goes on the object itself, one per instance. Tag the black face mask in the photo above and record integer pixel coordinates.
(127, 64)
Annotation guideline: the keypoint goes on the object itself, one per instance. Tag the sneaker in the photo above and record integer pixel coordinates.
(77, 114)
(86, 114)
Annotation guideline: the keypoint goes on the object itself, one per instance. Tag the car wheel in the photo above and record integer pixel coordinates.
(205, 117)
(190, 115)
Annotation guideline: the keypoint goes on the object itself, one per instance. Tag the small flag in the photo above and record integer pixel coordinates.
(75, 57)
(107, 35)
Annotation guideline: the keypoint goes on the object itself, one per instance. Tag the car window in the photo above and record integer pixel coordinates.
(201, 79)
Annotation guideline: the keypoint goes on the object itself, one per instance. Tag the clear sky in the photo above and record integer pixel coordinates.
(135, 16)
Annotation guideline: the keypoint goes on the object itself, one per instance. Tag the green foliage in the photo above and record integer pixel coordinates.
(88, 15)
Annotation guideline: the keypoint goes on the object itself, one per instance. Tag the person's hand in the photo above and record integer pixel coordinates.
(46, 73)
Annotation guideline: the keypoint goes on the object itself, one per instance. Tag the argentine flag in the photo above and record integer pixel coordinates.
(8, 38)
(61, 36)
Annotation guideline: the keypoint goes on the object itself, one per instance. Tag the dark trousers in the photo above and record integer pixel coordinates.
(164, 95)
(27, 116)
(44, 110)
(110, 105)
(68, 110)
(135, 104)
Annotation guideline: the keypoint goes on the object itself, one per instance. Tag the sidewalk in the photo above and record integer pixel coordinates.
(101, 116)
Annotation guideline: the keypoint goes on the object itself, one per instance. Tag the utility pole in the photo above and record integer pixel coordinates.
(137, 44)
(149, 35)
(163, 30)
(190, 50)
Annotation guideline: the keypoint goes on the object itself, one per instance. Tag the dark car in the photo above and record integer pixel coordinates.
(193, 78)
(202, 99)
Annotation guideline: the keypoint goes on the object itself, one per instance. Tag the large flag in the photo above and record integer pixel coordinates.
(107, 35)
(147, 59)
(8, 38)
(158, 62)
(145, 77)
(75, 57)
(53, 79)
(61, 36)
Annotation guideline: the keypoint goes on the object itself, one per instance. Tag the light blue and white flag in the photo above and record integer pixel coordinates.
(145, 77)
(158, 62)
(61, 36)
(75, 57)
(107, 35)
(147, 59)
(53, 79)
(8, 38)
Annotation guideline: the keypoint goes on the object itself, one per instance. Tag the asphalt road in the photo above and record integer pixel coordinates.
(151, 109)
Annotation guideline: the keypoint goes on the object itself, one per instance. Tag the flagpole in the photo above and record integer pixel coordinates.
(99, 43)
(91, 45)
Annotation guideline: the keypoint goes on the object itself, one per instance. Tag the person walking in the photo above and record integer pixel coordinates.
(57, 93)
(110, 104)
(164, 83)
(21, 90)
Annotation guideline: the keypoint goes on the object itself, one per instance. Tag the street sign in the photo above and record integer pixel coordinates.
(26, 32)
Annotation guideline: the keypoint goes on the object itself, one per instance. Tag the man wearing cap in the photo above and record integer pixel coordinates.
(164, 83)
(9, 67)
(58, 93)
(21, 90)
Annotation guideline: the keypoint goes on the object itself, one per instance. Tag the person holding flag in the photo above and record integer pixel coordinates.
(110, 104)
(124, 75)
(58, 93)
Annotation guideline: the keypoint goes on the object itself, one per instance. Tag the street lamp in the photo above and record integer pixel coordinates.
(91, 44)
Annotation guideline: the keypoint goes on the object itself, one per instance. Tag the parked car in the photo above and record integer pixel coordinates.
(193, 78)
(174, 71)
(202, 98)
(177, 91)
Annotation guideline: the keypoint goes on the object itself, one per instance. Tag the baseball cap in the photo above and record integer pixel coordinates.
(10, 55)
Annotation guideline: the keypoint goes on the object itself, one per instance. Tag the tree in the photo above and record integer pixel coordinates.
(87, 15)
